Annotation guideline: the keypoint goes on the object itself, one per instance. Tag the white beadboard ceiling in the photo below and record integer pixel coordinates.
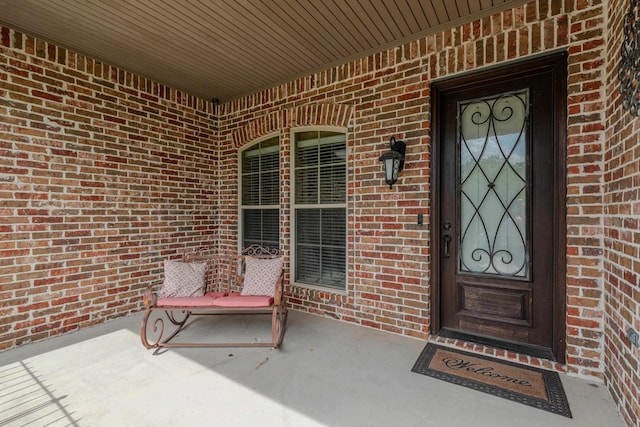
(225, 49)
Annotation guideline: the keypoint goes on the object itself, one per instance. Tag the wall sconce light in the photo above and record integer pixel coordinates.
(393, 161)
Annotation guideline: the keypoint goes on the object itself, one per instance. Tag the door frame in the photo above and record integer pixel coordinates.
(556, 63)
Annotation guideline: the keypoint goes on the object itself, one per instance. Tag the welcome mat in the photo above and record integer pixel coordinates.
(535, 387)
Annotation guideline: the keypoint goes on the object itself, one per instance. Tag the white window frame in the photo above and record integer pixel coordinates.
(242, 207)
(294, 207)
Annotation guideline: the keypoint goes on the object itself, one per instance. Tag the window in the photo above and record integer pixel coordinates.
(320, 208)
(260, 194)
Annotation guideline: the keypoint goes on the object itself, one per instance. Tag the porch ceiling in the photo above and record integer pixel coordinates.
(229, 48)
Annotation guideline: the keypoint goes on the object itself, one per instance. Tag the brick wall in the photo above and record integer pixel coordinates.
(622, 232)
(387, 94)
(102, 175)
(584, 186)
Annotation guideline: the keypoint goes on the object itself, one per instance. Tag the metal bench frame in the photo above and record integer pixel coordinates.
(224, 274)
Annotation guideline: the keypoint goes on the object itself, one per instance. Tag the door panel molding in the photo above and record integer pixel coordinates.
(521, 314)
(483, 302)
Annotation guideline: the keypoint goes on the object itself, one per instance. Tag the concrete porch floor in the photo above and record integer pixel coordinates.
(327, 373)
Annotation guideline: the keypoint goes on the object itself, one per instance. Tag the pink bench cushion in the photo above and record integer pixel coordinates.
(244, 301)
(205, 301)
(215, 294)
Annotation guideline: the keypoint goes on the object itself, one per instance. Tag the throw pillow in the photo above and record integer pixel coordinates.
(261, 275)
(182, 279)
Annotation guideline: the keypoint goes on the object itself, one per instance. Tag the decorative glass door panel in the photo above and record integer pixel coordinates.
(492, 186)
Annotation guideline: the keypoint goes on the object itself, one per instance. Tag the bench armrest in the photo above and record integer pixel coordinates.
(150, 298)
(278, 294)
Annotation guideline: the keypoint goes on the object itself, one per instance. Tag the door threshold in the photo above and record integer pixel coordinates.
(529, 350)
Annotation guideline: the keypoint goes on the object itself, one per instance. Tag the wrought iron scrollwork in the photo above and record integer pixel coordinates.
(153, 332)
(492, 186)
(629, 69)
(257, 250)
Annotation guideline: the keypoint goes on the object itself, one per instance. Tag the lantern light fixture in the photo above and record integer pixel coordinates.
(393, 161)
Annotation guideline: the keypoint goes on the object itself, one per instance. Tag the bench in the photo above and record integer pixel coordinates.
(208, 284)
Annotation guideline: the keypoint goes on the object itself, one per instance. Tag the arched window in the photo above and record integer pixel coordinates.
(260, 194)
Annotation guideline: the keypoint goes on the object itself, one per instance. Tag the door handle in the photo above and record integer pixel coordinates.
(446, 239)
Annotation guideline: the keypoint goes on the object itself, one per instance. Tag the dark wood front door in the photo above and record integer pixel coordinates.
(498, 233)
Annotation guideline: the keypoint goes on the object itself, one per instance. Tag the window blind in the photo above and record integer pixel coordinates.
(320, 208)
